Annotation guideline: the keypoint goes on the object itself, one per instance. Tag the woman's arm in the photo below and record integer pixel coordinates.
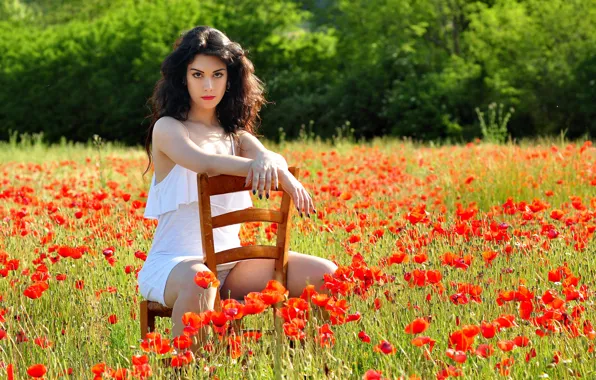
(250, 147)
(171, 138)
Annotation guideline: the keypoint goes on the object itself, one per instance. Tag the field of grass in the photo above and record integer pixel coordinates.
(459, 260)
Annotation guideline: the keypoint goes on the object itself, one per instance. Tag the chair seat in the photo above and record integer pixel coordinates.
(158, 309)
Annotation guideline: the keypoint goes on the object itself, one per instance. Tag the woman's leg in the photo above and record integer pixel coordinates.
(183, 295)
(253, 275)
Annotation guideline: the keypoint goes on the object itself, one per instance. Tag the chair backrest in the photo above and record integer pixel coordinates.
(223, 184)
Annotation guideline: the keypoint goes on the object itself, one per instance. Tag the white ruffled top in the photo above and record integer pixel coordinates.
(174, 203)
(180, 187)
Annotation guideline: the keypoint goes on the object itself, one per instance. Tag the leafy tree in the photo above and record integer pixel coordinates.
(403, 67)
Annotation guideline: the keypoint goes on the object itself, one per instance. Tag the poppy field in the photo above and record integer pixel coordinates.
(472, 261)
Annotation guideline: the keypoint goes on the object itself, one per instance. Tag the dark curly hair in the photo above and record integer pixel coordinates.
(240, 106)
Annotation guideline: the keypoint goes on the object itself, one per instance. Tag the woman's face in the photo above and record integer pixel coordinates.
(206, 76)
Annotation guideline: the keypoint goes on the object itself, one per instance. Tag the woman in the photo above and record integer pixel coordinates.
(205, 108)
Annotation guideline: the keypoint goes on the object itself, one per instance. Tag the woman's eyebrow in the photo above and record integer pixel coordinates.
(192, 68)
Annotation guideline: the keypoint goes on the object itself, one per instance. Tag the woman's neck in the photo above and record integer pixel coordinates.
(206, 117)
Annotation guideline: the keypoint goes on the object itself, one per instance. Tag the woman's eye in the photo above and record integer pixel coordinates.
(217, 75)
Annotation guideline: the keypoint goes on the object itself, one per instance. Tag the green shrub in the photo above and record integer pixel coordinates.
(416, 68)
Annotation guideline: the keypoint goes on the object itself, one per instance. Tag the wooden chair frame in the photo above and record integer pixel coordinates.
(223, 184)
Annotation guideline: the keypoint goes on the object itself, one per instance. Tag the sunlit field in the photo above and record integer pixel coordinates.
(471, 260)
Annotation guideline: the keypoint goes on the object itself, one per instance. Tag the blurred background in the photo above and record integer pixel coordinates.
(440, 70)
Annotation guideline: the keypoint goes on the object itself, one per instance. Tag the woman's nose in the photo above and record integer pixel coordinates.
(208, 84)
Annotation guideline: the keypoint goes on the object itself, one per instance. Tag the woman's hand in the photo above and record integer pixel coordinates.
(297, 192)
(263, 173)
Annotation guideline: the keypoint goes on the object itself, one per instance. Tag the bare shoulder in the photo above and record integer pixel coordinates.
(167, 129)
(241, 139)
(243, 134)
(167, 125)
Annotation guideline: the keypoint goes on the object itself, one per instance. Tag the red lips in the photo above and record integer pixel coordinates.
(207, 97)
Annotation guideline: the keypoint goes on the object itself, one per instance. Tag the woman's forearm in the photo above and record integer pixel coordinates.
(227, 164)
(251, 147)
(281, 161)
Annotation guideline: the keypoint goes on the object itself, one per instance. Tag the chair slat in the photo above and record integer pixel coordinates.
(248, 252)
(248, 215)
(223, 184)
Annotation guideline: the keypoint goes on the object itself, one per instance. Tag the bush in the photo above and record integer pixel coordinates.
(87, 77)
(415, 68)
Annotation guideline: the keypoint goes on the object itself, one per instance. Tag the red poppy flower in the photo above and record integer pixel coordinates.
(506, 345)
(36, 290)
(37, 370)
(372, 374)
(140, 359)
(364, 337)
(206, 279)
(460, 341)
(98, 369)
(457, 356)
(485, 350)
(422, 340)
(385, 347)
(293, 331)
(252, 307)
(418, 326)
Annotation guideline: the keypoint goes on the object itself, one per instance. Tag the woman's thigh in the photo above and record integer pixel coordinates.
(182, 278)
(253, 275)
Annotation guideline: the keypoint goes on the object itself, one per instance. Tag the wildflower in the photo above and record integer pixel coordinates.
(418, 326)
(385, 347)
(206, 279)
(364, 337)
(37, 370)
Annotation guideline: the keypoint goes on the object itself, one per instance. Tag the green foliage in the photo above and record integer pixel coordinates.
(89, 77)
(494, 128)
(14, 11)
(415, 68)
(531, 51)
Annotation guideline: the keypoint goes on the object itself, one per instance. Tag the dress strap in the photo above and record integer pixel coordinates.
(233, 149)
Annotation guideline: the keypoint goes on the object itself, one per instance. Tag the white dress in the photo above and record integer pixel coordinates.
(174, 203)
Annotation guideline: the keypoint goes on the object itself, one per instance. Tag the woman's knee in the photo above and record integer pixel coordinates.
(308, 270)
(197, 298)
(248, 276)
(325, 267)
(318, 264)
(181, 282)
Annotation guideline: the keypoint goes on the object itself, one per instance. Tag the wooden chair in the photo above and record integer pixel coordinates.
(223, 184)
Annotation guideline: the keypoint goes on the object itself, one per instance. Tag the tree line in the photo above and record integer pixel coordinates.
(417, 68)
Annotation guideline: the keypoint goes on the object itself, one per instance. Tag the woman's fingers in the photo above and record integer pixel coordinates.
(296, 199)
(298, 202)
(267, 183)
(255, 181)
(262, 182)
(302, 203)
(248, 177)
(274, 179)
(311, 205)
(307, 203)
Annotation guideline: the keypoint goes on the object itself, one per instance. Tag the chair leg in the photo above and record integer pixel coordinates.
(151, 321)
(144, 317)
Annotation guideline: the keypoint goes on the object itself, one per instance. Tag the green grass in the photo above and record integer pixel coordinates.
(385, 177)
